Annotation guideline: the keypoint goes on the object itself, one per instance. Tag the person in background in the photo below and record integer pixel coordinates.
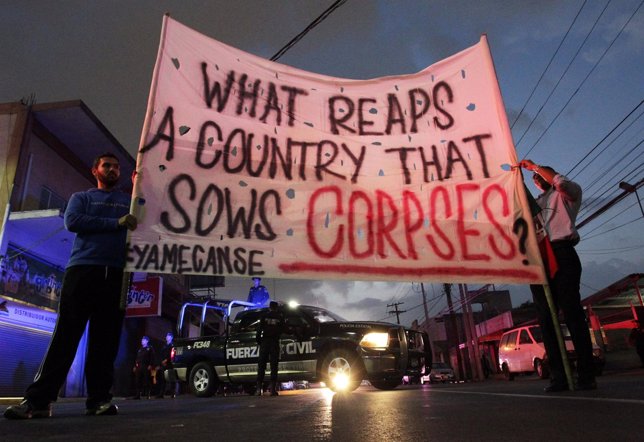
(559, 202)
(143, 368)
(258, 294)
(270, 328)
(166, 366)
(91, 292)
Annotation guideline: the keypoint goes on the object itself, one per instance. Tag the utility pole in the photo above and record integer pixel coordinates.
(396, 311)
(422, 289)
(426, 330)
(468, 315)
(627, 190)
(632, 189)
(459, 360)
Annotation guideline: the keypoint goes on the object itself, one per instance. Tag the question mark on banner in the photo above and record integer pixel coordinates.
(520, 228)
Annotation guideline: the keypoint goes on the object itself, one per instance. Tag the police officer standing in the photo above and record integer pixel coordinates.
(166, 365)
(268, 338)
(143, 368)
(258, 294)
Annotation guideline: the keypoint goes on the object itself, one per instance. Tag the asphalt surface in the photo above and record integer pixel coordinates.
(492, 410)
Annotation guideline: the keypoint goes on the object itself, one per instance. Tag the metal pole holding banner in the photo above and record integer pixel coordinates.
(554, 312)
(560, 341)
(534, 208)
(136, 178)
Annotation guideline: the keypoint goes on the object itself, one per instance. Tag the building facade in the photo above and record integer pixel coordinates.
(46, 155)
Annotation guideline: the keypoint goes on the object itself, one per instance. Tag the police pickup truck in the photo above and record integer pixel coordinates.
(317, 346)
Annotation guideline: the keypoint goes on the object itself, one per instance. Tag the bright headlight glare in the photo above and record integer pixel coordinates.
(375, 340)
(340, 381)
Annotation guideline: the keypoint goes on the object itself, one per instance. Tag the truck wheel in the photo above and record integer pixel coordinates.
(249, 389)
(385, 385)
(506, 372)
(202, 380)
(341, 363)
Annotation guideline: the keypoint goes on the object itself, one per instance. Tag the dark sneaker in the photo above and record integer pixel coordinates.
(103, 409)
(27, 410)
(274, 393)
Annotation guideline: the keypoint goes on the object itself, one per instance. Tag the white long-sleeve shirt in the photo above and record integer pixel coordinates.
(559, 208)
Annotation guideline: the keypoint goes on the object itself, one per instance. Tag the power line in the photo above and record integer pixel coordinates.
(604, 173)
(585, 78)
(561, 78)
(603, 139)
(608, 205)
(613, 191)
(306, 30)
(611, 218)
(610, 251)
(548, 66)
(615, 228)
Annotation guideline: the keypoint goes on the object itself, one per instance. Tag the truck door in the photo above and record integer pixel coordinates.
(298, 356)
(242, 351)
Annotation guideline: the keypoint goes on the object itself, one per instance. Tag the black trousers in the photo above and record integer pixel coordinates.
(565, 292)
(143, 381)
(269, 349)
(163, 386)
(89, 294)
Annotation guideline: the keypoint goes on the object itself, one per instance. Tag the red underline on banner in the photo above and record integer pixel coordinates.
(297, 267)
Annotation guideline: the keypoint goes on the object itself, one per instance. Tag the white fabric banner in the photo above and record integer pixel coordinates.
(249, 167)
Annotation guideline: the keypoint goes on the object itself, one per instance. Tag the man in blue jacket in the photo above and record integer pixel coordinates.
(91, 293)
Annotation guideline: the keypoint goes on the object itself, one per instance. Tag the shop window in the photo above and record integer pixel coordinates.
(50, 200)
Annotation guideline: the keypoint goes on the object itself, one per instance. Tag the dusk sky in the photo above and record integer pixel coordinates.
(103, 52)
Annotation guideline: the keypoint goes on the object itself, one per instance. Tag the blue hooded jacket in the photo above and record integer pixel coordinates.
(93, 215)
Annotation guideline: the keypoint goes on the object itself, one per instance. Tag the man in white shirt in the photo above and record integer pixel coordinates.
(560, 201)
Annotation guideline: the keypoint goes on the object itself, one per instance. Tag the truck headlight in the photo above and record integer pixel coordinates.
(375, 340)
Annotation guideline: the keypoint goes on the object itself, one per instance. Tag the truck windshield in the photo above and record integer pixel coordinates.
(320, 315)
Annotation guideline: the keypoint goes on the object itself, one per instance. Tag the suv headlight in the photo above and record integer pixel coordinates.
(375, 340)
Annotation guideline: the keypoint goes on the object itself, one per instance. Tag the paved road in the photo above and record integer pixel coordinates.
(492, 410)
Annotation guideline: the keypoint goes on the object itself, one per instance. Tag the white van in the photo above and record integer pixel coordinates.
(521, 350)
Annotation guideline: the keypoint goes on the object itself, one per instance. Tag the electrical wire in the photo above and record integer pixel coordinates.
(612, 218)
(615, 228)
(601, 198)
(610, 168)
(306, 30)
(584, 80)
(604, 173)
(603, 139)
(561, 78)
(548, 66)
(610, 251)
